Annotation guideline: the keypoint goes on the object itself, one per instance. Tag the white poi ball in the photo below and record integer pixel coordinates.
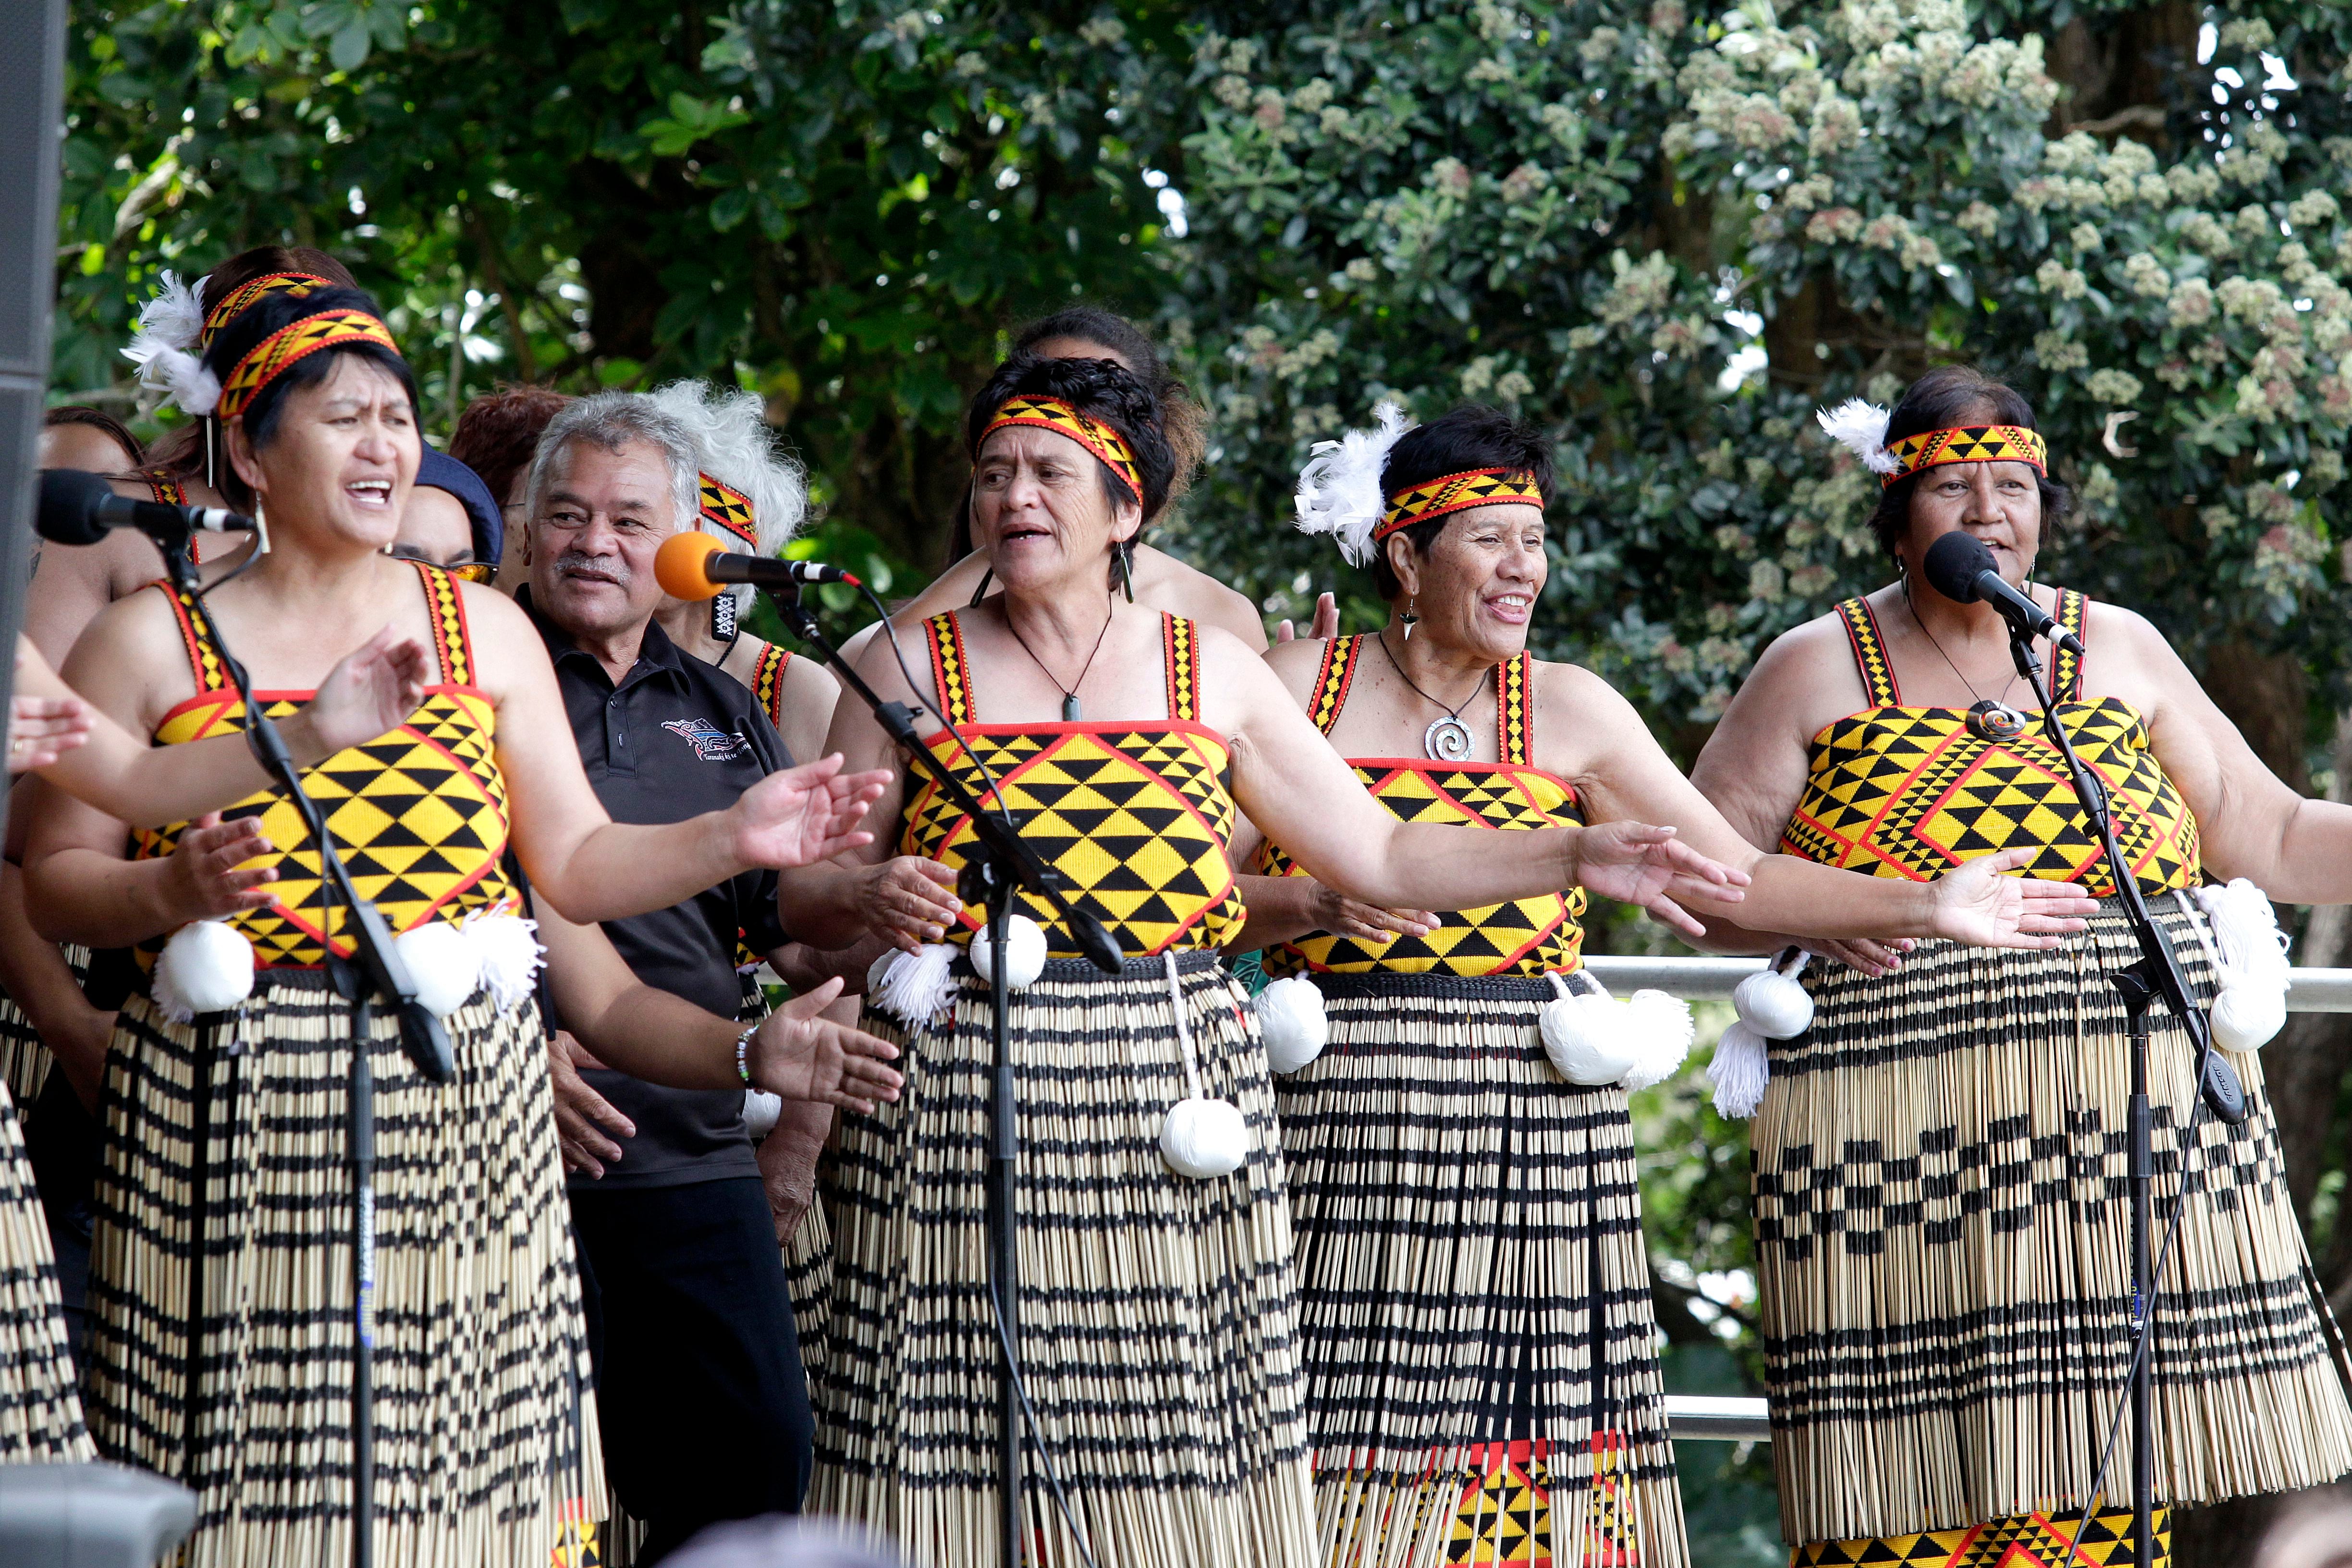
(2246, 1017)
(206, 967)
(445, 966)
(1203, 1138)
(1291, 1019)
(1774, 1005)
(761, 1110)
(1589, 1038)
(1025, 946)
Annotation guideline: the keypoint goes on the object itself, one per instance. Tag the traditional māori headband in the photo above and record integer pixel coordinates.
(1456, 492)
(1067, 419)
(273, 355)
(223, 311)
(729, 509)
(1861, 427)
(174, 328)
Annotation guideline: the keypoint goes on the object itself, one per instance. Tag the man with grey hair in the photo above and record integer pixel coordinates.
(699, 1382)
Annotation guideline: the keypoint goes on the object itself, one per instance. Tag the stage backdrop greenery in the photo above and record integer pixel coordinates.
(1666, 232)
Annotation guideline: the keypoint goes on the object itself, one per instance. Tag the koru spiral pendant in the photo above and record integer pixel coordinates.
(1993, 720)
(1447, 740)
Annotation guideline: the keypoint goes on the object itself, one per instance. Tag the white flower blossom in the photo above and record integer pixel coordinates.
(2114, 388)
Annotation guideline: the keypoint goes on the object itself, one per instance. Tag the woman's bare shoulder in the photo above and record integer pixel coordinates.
(1170, 584)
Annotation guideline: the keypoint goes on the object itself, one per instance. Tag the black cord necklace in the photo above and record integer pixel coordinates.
(1071, 713)
(1447, 740)
(1991, 717)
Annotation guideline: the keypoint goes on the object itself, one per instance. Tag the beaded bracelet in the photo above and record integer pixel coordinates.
(743, 1052)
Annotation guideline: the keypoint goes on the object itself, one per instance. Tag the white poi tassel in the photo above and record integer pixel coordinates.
(1024, 948)
(2250, 960)
(1201, 1137)
(206, 967)
(443, 965)
(506, 945)
(1739, 1072)
(1662, 1031)
(1586, 1035)
(761, 1111)
(914, 988)
(1291, 1020)
(1772, 1005)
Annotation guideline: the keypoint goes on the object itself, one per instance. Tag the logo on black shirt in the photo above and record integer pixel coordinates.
(709, 744)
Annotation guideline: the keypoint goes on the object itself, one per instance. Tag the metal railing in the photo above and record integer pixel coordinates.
(1693, 1416)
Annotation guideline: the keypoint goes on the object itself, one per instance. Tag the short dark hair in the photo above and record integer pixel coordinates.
(1946, 397)
(500, 431)
(1181, 418)
(1471, 437)
(98, 419)
(1102, 389)
(257, 321)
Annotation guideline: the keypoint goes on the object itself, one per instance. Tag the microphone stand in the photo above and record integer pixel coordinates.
(375, 971)
(997, 865)
(2156, 976)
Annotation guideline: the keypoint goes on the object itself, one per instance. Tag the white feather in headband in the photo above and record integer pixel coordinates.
(1861, 427)
(164, 348)
(1340, 489)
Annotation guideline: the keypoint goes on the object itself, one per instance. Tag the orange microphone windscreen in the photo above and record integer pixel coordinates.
(677, 566)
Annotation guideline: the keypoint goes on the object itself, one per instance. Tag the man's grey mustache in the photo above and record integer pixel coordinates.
(610, 566)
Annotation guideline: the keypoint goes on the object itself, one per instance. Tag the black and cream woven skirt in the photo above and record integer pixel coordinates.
(1943, 1251)
(1157, 1341)
(1482, 1373)
(228, 1179)
(41, 1417)
(24, 1061)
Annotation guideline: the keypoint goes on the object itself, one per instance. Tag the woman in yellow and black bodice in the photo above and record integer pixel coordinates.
(1158, 1336)
(1481, 1377)
(219, 1351)
(1940, 1220)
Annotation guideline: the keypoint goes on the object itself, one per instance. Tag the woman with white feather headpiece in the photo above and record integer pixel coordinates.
(1945, 1278)
(754, 497)
(1460, 1153)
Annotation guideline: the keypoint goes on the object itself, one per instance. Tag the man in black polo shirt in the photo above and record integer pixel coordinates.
(700, 1390)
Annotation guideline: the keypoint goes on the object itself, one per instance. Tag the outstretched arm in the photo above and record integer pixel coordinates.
(372, 691)
(592, 868)
(650, 1034)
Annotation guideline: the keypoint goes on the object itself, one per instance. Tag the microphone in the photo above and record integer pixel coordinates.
(692, 566)
(1960, 568)
(82, 509)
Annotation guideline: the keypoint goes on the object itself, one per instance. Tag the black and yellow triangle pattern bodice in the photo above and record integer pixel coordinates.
(1910, 792)
(419, 815)
(1134, 816)
(1525, 936)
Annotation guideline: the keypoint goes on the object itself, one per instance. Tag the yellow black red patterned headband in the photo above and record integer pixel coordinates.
(269, 358)
(1965, 444)
(730, 508)
(1457, 492)
(251, 290)
(1066, 419)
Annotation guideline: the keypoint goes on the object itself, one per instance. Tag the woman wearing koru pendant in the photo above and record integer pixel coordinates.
(1942, 1235)
(220, 1291)
(1157, 1337)
(1474, 1301)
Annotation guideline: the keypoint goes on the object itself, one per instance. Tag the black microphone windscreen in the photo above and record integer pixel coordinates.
(67, 513)
(1952, 564)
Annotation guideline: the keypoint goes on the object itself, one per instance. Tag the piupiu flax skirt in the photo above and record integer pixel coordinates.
(40, 1415)
(485, 1440)
(1157, 1339)
(1943, 1252)
(1482, 1376)
(808, 1278)
(24, 1061)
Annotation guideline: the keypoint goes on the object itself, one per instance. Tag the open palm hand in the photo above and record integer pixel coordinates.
(1978, 904)
(1635, 863)
(801, 1055)
(804, 814)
